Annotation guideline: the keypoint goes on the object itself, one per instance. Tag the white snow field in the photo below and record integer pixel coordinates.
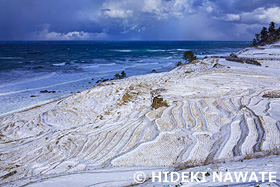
(212, 111)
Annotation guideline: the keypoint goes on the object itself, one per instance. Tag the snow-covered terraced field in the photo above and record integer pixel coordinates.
(267, 53)
(216, 110)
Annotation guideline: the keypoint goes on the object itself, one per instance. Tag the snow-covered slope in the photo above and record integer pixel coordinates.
(268, 52)
(216, 110)
(113, 177)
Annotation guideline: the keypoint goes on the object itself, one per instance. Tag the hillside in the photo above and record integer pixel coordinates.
(206, 112)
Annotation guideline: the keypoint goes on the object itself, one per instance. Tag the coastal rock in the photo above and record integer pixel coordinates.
(46, 91)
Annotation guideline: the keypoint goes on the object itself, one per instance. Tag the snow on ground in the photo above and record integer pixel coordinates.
(268, 164)
(125, 176)
(263, 53)
(210, 111)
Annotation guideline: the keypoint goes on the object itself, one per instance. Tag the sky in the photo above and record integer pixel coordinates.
(230, 20)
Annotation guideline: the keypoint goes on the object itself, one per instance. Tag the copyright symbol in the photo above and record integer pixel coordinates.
(139, 177)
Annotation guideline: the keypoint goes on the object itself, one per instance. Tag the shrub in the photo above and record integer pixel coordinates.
(273, 94)
(179, 63)
(118, 76)
(123, 74)
(189, 56)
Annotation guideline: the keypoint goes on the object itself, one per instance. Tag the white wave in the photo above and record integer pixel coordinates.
(28, 80)
(144, 64)
(183, 49)
(106, 73)
(43, 87)
(123, 51)
(98, 65)
(168, 57)
(220, 54)
(60, 64)
(117, 69)
(110, 64)
(155, 50)
(168, 64)
(202, 56)
(10, 58)
(210, 55)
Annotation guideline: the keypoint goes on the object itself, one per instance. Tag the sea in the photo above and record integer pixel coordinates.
(63, 68)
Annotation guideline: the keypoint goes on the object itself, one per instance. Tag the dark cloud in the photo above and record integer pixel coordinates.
(135, 20)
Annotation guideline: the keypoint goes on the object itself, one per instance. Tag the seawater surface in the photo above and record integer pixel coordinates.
(26, 68)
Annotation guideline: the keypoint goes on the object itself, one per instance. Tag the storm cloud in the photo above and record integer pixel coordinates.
(135, 20)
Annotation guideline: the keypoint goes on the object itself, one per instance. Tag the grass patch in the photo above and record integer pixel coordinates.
(159, 102)
(273, 94)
